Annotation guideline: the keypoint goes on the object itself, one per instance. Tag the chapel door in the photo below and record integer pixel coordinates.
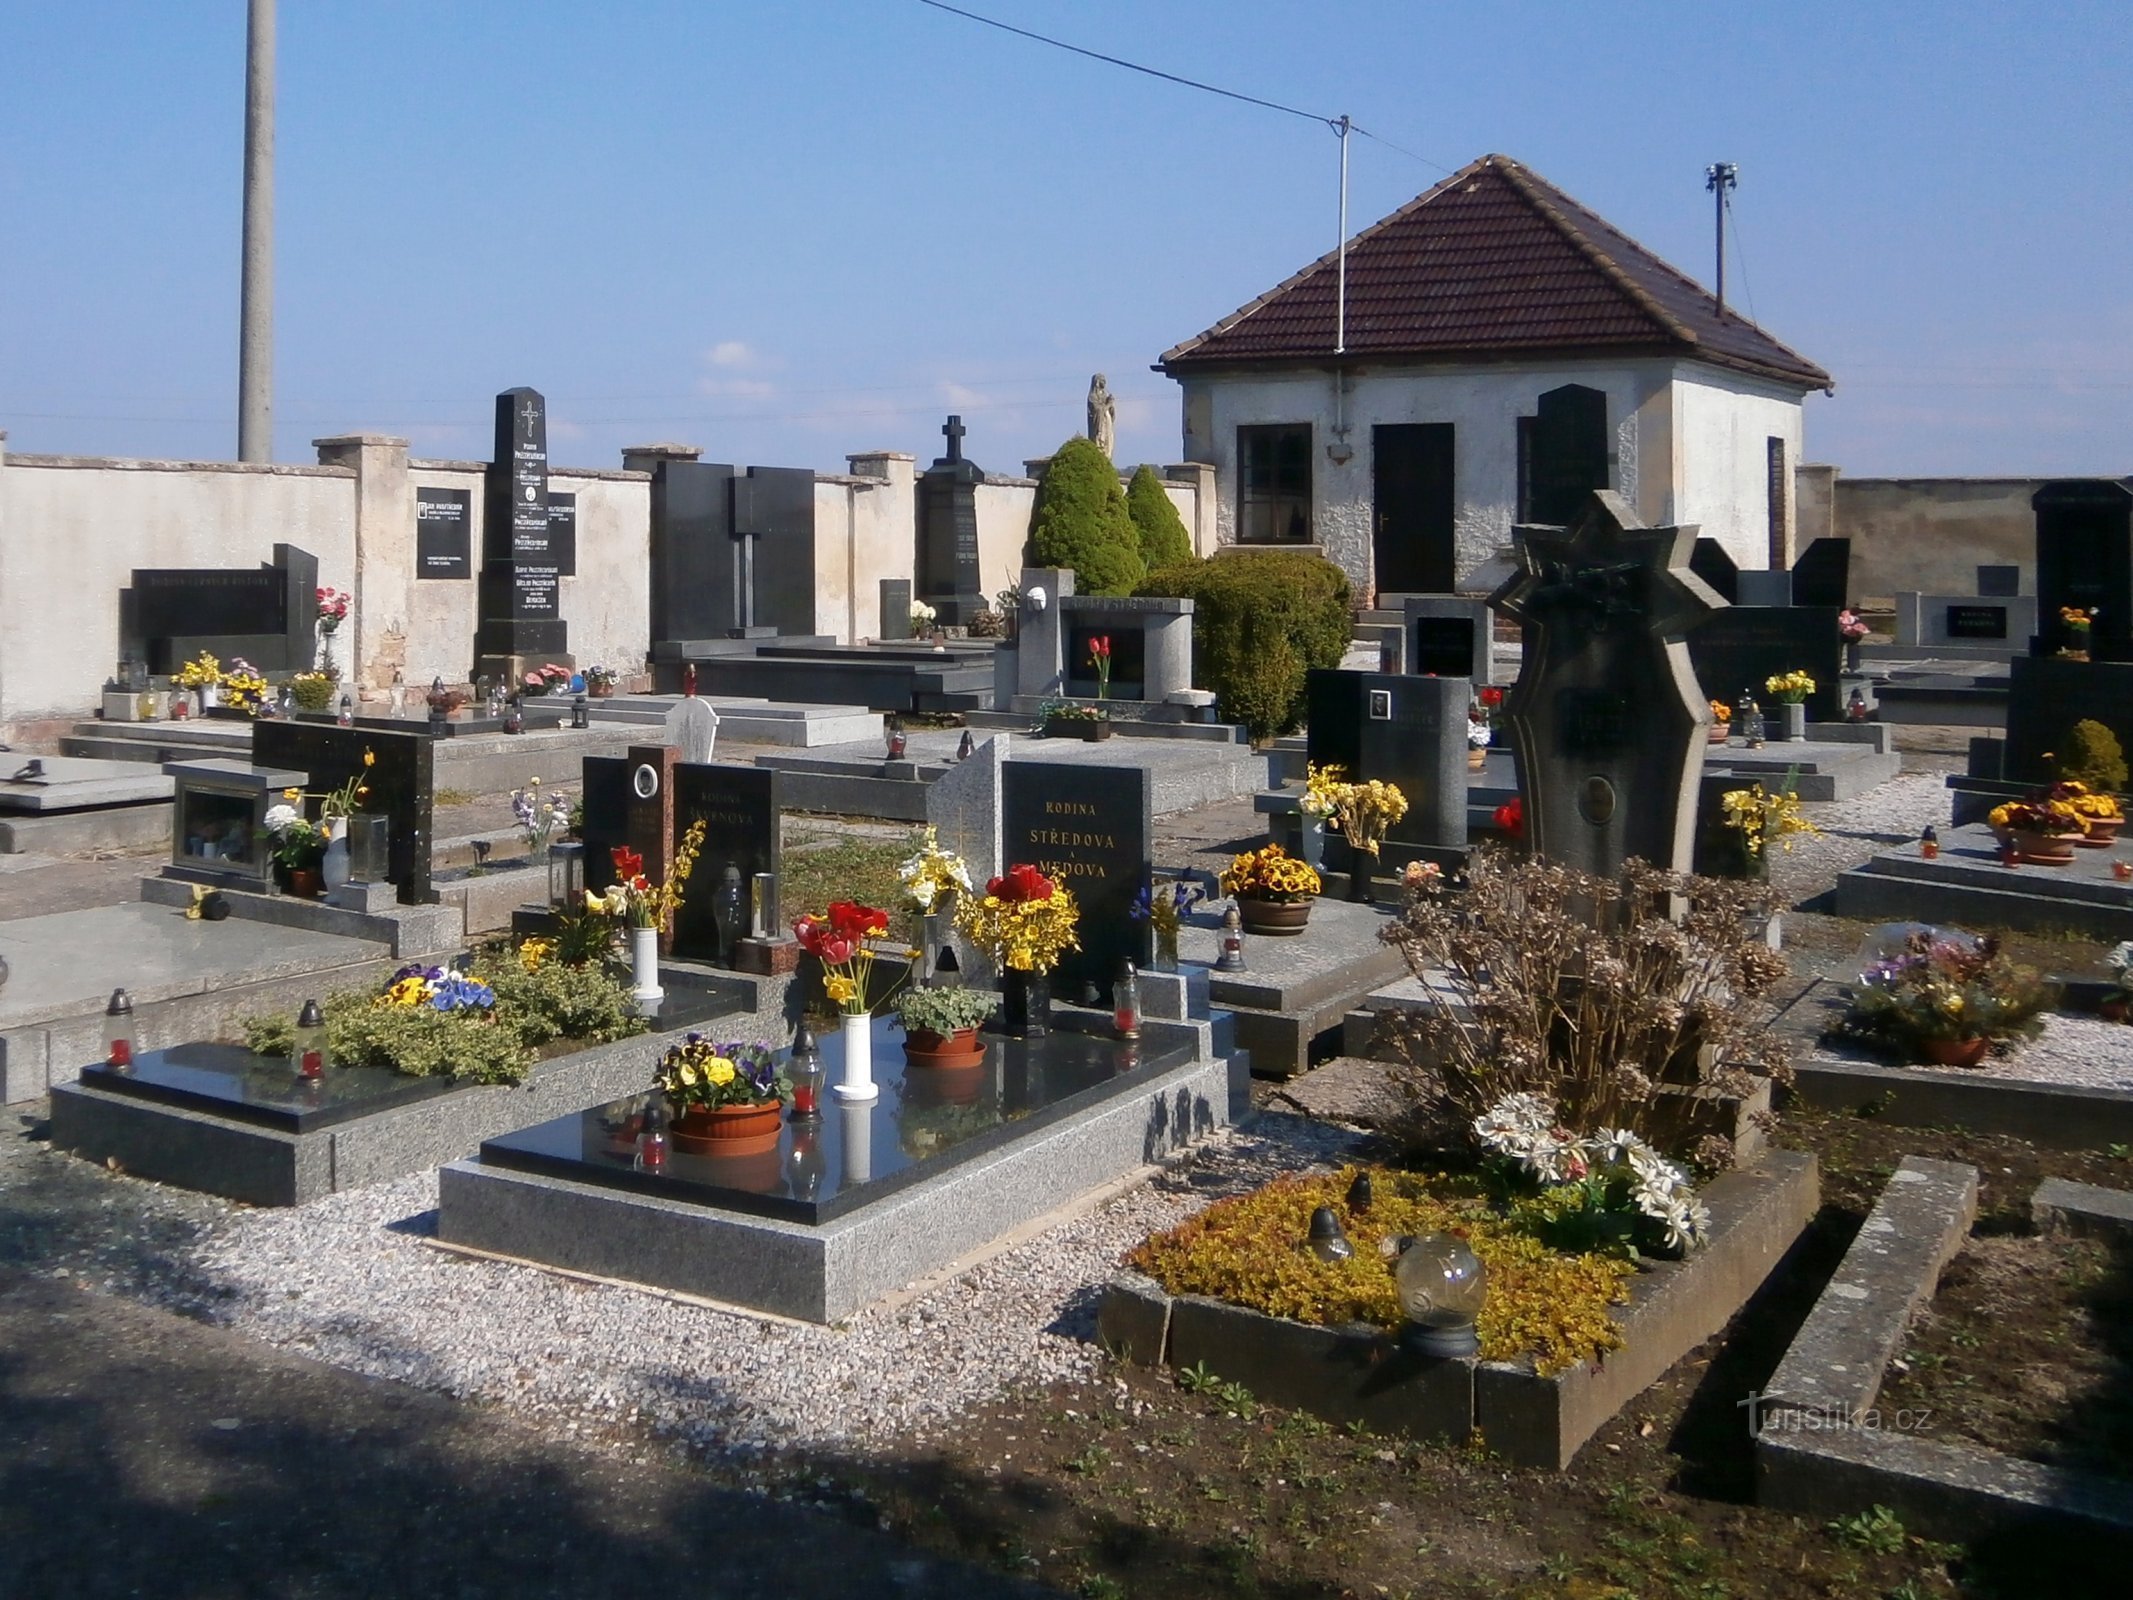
(1411, 476)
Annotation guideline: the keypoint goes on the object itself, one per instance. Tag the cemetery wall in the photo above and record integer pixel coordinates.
(1932, 534)
(865, 530)
(73, 528)
(1484, 404)
(1723, 425)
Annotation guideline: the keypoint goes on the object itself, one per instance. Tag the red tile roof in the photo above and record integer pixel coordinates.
(1494, 262)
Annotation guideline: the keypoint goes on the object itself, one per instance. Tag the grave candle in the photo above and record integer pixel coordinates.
(118, 1031)
(1929, 842)
(652, 1141)
(307, 1053)
(1126, 1001)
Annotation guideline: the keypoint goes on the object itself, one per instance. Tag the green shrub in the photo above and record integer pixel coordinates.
(1080, 521)
(1261, 619)
(564, 1002)
(2094, 757)
(416, 1040)
(1163, 539)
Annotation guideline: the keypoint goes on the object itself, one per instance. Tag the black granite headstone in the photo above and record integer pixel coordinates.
(444, 541)
(1823, 574)
(731, 550)
(520, 596)
(2085, 558)
(1402, 729)
(1976, 622)
(739, 809)
(563, 534)
(948, 576)
(400, 781)
(773, 525)
(267, 614)
(1090, 827)
(604, 790)
(1741, 646)
(2046, 696)
(1998, 582)
(1442, 647)
(1714, 563)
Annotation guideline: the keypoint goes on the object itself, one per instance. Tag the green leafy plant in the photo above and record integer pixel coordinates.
(944, 1011)
(2094, 757)
(1877, 1530)
(1261, 620)
(312, 691)
(556, 1000)
(1197, 1378)
(1080, 521)
(1155, 517)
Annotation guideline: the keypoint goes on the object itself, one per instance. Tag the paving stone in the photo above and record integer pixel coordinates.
(2085, 1210)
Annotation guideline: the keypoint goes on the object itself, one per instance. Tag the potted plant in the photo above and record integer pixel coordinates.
(941, 1026)
(245, 687)
(1790, 690)
(1273, 890)
(1721, 721)
(549, 679)
(1025, 922)
(203, 677)
(1365, 813)
(726, 1098)
(2074, 624)
(838, 940)
(2101, 812)
(1480, 733)
(312, 691)
(600, 682)
(295, 845)
(1944, 1001)
(2043, 828)
(1064, 720)
(921, 618)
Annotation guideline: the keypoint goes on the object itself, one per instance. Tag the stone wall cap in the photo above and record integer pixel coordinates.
(666, 449)
(384, 440)
(880, 455)
(289, 469)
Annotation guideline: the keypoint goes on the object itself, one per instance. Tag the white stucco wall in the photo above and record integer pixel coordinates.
(1723, 424)
(608, 605)
(73, 528)
(863, 534)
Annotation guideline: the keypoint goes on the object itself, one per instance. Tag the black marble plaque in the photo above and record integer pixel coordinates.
(1738, 648)
(2085, 557)
(230, 1081)
(1088, 826)
(1403, 729)
(739, 809)
(444, 545)
(1443, 647)
(399, 779)
(1976, 622)
(563, 534)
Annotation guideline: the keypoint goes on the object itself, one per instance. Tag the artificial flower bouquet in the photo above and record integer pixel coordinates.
(1789, 688)
(601, 680)
(1024, 920)
(538, 816)
(698, 1074)
(202, 672)
(1163, 905)
(2077, 622)
(1269, 873)
(931, 876)
(1851, 627)
(633, 900)
(1100, 664)
(1608, 1190)
(245, 687)
(1943, 988)
(1365, 812)
(1762, 818)
(839, 941)
(1721, 713)
(1321, 796)
(549, 679)
(332, 610)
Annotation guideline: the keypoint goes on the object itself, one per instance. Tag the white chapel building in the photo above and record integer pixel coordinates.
(1507, 351)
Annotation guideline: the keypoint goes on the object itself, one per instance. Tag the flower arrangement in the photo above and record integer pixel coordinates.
(1789, 688)
(839, 941)
(1321, 796)
(1478, 735)
(2046, 811)
(245, 686)
(1943, 988)
(202, 672)
(1067, 711)
(1721, 713)
(944, 1012)
(2088, 802)
(1024, 920)
(1365, 812)
(1269, 873)
(922, 615)
(634, 900)
(1595, 1189)
(1163, 905)
(439, 988)
(696, 1074)
(549, 679)
(1851, 627)
(1100, 664)
(1510, 817)
(312, 691)
(2120, 961)
(2077, 622)
(931, 875)
(601, 680)
(332, 610)
(336, 805)
(539, 815)
(1762, 818)
(293, 842)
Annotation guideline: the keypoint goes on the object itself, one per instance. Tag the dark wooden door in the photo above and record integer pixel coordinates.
(1411, 472)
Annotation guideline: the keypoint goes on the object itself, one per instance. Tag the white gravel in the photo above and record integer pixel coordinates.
(1855, 830)
(352, 1281)
(2083, 1052)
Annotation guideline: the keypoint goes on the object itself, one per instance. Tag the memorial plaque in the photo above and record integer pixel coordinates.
(1088, 826)
(1741, 646)
(1401, 729)
(563, 534)
(444, 520)
(1443, 647)
(1593, 724)
(400, 780)
(1977, 622)
(739, 809)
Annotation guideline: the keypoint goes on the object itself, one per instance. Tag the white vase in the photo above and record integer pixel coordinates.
(644, 969)
(858, 1142)
(333, 870)
(857, 1084)
(210, 695)
(1313, 846)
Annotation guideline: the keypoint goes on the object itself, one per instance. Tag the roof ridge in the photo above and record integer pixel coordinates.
(1530, 185)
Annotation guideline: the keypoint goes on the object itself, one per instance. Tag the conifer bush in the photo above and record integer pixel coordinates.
(1261, 620)
(1080, 521)
(1155, 515)
(2095, 757)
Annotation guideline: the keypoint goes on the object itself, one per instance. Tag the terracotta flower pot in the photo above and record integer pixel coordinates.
(2103, 832)
(729, 1130)
(1718, 731)
(1273, 918)
(2045, 849)
(1954, 1052)
(925, 1048)
(306, 883)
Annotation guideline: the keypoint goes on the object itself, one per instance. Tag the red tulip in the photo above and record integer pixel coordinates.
(628, 863)
(1511, 815)
(1492, 697)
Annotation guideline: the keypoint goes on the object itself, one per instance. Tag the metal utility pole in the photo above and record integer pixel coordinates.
(255, 335)
(1340, 315)
(1718, 177)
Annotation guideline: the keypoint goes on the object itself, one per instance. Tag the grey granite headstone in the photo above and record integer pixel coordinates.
(1040, 645)
(963, 805)
(692, 728)
(1606, 719)
(895, 609)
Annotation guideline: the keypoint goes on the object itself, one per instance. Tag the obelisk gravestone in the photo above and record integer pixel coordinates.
(520, 625)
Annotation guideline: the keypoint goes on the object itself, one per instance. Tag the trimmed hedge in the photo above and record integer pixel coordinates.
(1261, 619)
(1163, 539)
(1080, 521)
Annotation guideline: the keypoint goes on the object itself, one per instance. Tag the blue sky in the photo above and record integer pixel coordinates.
(786, 232)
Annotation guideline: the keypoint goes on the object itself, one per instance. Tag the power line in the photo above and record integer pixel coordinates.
(1402, 150)
(1740, 254)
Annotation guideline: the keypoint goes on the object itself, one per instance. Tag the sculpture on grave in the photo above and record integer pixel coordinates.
(1103, 415)
(1606, 720)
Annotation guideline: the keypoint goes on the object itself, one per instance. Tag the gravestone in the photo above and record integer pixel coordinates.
(731, 551)
(401, 781)
(563, 533)
(1739, 647)
(444, 539)
(1975, 622)
(948, 575)
(1606, 719)
(520, 623)
(692, 728)
(739, 809)
(1040, 642)
(2046, 696)
(1449, 637)
(2085, 559)
(963, 805)
(1714, 564)
(1823, 574)
(266, 614)
(895, 609)
(1088, 826)
(1763, 588)
(1400, 729)
(1928, 620)
(1151, 644)
(604, 790)
(1999, 582)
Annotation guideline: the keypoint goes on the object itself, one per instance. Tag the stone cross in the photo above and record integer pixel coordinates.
(953, 430)
(1606, 719)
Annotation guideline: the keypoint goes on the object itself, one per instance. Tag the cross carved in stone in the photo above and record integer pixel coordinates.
(1606, 720)
(953, 430)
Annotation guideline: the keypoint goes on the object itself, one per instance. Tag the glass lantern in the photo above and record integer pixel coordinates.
(580, 713)
(118, 1031)
(1441, 1285)
(566, 874)
(307, 1050)
(1126, 1001)
(370, 848)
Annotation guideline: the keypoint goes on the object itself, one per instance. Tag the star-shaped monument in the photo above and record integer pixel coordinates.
(1606, 719)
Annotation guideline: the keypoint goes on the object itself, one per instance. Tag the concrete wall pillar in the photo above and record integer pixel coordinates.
(1814, 503)
(374, 645)
(1201, 525)
(646, 457)
(1041, 635)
